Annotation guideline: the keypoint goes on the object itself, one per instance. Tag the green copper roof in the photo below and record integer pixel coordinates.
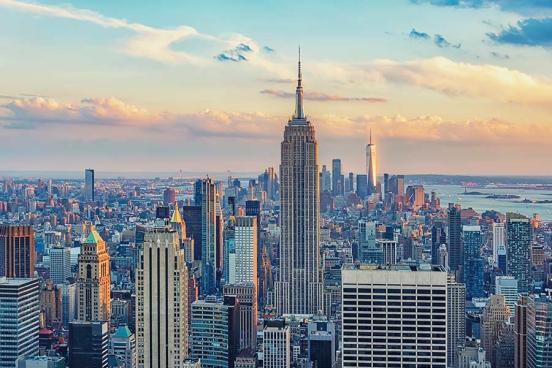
(122, 332)
(93, 238)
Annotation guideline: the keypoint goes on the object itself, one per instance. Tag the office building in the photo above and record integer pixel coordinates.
(299, 288)
(507, 286)
(455, 249)
(123, 346)
(246, 250)
(68, 302)
(209, 205)
(322, 343)
(471, 355)
(394, 316)
(214, 331)
(495, 314)
(17, 251)
(60, 264)
(245, 293)
(456, 319)
(438, 238)
(499, 246)
(89, 190)
(253, 208)
(19, 319)
(473, 262)
(276, 345)
(520, 332)
(326, 180)
(88, 344)
(371, 165)
(161, 300)
(191, 215)
(518, 249)
(415, 196)
(94, 280)
(51, 304)
(539, 331)
(362, 186)
(169, 197)
(337, 178)
(367, 250)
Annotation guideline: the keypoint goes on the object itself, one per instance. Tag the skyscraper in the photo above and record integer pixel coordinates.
(60, 264)
(518, 249)
(214, 331)
(89, 194)
(169, 196)
(94, 280)
(161, 301)
(371, 165)
(455, 250)
(19, 319)
(276, 344)
(245, 292)
(246, 250)
(507, 286)
(299, 288)
(362, 186)
(539, 331)
(325, 180)
(520, 333)
(456, 319)
(209, 261)
(337, 177)
(17, 251)
(499, 246)
(495, 314)
(88, 344)
(473, 263)
(380, 307)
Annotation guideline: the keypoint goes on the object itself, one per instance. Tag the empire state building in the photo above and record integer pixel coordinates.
(299, 287)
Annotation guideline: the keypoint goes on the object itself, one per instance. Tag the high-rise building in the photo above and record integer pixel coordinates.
(169, 196)
(269, 183)
(214, 331)
(68, 302)
(253, 208)
(325, 180)
(88, 344)
(94, 280)
(518, 249)
(60, 264)
(17, 251)
(471, 355)
(161, 300)
(495, 314)
(362, 186)
(247, 299)
(51, 304)
(520, 333)
(456, 319)
(123, 346)
(455, 251)
(246, 250)
(337, 177)
(276, 344)
(473, 262)
(381, 306)
(209, 252)
(299, 288)
(371, 165)
(415, 196)
(350, 183)
(507, 286)
(89, 190)
(19, 319)
(499, 246)
(539, 331)
(192, 217)
(322, 343)
(230, 251)
(438, 238)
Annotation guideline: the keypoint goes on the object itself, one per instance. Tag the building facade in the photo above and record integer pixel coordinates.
(17, 251)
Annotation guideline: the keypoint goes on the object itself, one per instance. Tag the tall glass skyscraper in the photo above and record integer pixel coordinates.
(455, 238)
(299, 288)
(518, 249)
(473, 263)
(539, 331)
(89, 194)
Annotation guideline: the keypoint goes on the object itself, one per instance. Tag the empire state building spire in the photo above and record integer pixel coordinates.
(299, 114)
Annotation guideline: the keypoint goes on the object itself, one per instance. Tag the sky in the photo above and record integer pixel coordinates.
(445, 86)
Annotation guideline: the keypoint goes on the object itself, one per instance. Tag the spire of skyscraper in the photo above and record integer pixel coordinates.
(299, 114)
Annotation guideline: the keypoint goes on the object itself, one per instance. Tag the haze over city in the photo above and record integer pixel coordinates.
(447, 87)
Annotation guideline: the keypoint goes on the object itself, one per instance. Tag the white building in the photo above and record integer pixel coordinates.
(60, 264)
(499, 242)
(161, 301)
(246, 250)
(394, 315)
(276, 345)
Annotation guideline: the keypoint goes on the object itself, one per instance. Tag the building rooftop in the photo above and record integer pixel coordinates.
(122, 332)
(395, 267)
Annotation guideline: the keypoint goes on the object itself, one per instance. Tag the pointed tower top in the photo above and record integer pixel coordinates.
(176, 217)
(299, 114)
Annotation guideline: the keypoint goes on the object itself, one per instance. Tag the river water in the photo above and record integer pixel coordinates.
(455, 194)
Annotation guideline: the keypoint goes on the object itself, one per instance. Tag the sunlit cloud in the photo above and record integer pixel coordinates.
(317, 96)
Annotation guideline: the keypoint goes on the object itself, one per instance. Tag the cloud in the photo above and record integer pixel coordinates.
(316, 96)
(268, 50)
(527, 32)
(519, 6)
(235, 54)
(459, 79)
(418, 35)
(441, 42)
